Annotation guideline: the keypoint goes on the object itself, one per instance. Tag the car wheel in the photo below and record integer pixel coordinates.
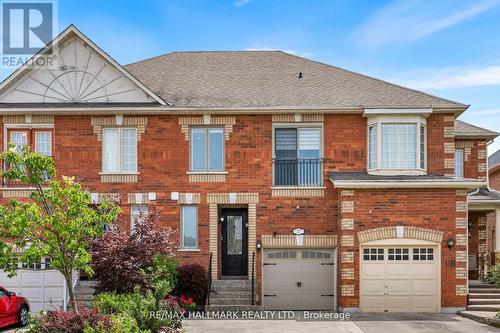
(23, 316)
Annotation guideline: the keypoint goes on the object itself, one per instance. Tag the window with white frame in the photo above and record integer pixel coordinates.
(207, 149)
(39, 140)
(119, 150)
(396, 145)
(138, 214)
(189, 227)
(459, 163)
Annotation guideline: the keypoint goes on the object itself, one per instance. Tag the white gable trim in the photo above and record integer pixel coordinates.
(72, 30)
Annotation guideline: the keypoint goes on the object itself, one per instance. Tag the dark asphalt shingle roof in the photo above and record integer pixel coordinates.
(269, 79)
(494, 159)
(483, 193)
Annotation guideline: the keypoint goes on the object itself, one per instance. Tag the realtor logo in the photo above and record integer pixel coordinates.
(27, 26)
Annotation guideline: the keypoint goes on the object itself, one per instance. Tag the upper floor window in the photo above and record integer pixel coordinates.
(39, 140)
(297, 156)
(396, 145)
(459, 163)
(119, 149)
(207, 149)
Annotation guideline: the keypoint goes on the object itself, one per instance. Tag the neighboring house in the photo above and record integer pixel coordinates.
(494, 170)
(343, 186)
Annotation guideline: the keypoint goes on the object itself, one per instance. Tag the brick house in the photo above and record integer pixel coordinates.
(350, 192)
(494, 170)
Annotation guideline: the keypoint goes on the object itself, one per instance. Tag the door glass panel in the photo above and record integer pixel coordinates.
(234, 235)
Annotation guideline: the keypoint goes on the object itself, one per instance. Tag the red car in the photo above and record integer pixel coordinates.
(13, 309)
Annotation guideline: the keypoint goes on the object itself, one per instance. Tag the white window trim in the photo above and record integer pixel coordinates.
(50, 141)
(207, 150)
(197, 246)
(120, 172)
(378, 121)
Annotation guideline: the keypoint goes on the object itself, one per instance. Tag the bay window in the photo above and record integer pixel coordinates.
(396, 145)
(119, 150)
(297, 156)
(207, 149)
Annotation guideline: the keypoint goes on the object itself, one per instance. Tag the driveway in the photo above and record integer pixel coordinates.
(359, 323)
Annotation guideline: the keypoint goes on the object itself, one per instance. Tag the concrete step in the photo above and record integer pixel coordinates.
(229, 288)
(84, 289)
(233, 308)
(484, 307)
(89, 283)
(483, 296)
(230, 301)
(484, 301)
(485, 317)
(217, 283)
(484, 291)
(231, 294)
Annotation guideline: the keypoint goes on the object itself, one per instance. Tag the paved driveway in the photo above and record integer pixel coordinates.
(359, 323)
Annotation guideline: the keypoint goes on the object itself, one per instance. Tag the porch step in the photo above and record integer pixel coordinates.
(230, 300)
(483, 301)
(480, 284)
(231, 294)
(484, 290)
(483, 296)
(232, 308)
(484, 307)
(231, 286)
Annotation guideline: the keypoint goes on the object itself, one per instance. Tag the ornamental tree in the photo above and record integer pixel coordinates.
(58, 221)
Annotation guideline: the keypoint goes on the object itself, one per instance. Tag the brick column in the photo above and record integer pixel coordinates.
(497, 236)
(460, 248)
(349, 294)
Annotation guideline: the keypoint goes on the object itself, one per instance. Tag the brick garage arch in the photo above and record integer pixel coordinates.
(374, 234)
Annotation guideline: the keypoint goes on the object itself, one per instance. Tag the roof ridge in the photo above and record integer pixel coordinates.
(379, 80)
(204, 51)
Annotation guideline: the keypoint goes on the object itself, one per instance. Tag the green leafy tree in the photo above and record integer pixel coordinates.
(57, 222)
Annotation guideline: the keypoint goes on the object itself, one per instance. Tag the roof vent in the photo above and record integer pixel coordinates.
(300, 75)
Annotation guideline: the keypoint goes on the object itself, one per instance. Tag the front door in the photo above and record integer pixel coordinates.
(234, 242)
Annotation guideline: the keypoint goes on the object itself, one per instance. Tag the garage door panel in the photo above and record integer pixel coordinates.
(373, 287)
(398, 304)
(398, 270)
(373, 271)
(372, 304)
(424, 303)
(424, 270)
(317, 302)
(424, 287)
(398, 287)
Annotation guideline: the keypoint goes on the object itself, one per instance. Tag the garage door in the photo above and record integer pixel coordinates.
(299, 279)
(399, 279)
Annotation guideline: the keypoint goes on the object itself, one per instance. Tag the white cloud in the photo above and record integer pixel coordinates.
(408, 20)
(454, 77)
(291, 51)
(241, 3)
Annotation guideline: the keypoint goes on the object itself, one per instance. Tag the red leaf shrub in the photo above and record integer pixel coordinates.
(119, 258)
(192, 283)
(70, 322)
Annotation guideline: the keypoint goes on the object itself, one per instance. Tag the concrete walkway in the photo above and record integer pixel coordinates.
(359, 323)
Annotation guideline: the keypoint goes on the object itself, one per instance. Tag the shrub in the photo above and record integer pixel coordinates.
(70, 321)
(119, 324)
(192, 283)
(139, 305)
(493, 275)
(120, 260)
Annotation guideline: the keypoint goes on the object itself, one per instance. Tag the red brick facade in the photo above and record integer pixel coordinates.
(163, 163)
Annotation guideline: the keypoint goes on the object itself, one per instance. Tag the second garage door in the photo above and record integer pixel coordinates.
(298, 279)
(399, 279)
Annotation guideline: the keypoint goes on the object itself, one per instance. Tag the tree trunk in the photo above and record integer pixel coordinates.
(71, 291)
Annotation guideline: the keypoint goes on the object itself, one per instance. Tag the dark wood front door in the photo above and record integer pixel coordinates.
(234, 242)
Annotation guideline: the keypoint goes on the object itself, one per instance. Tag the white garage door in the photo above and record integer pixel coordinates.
(399, 279)
(44, 289)
(298, 279)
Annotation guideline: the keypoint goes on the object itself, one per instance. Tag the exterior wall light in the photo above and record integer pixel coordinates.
(258, 244)
(450, 242)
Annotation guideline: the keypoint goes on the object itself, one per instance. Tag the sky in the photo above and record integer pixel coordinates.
(448, 48)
